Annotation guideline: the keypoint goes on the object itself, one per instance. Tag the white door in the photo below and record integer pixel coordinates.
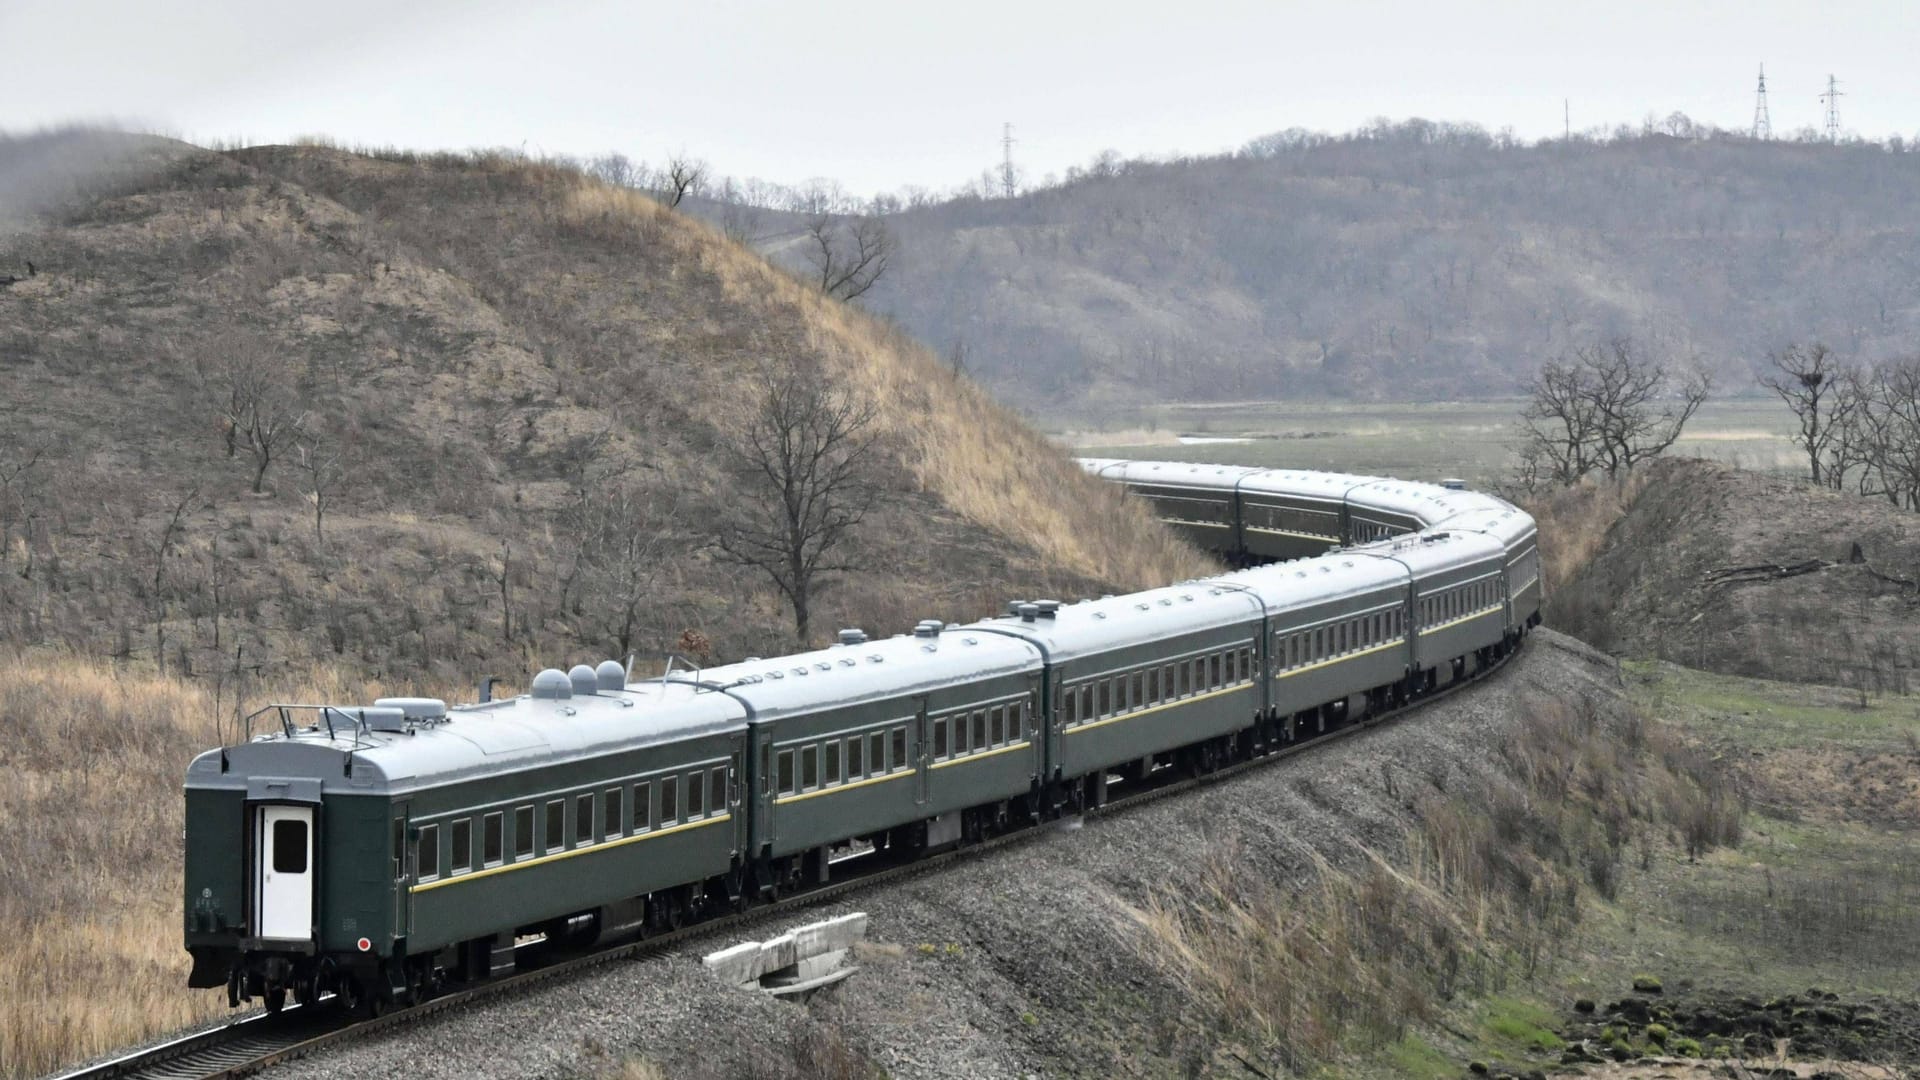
(285, 892)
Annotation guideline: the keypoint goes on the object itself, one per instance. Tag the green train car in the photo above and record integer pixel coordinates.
(373, 852)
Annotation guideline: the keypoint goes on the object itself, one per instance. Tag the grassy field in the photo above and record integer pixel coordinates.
(1426, 441)
(1824, 890)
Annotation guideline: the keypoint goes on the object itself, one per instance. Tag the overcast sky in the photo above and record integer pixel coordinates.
(881, 95)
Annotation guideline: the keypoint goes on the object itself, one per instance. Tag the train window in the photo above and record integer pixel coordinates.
(643, 806)
(940, 738)
(717, 784)
(899, 749)
(696, 792)
(615, 813)
(669, 800)
(960, 742)
(877, 753)
(583, 820)
(1246, 665)
(997, 732)
(854, 771)
(461, 845)
(556, 825)
(1169, 683)
(1214, 666)
(833, 765)
(1016, 721)
(1233, 669)
(1070, 705)
(1139, 697)
(522, 831)
(426, 859)
(289, 846)
(786, 772)
(980, 729)
(1105, 704)
(1183, 675)
(490, 837)
(810, 767)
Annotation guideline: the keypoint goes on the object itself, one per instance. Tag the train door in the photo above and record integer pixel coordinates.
(922, 750)
(284, 872)
(405, 857)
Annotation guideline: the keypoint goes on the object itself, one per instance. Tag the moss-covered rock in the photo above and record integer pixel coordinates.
(1646, 984)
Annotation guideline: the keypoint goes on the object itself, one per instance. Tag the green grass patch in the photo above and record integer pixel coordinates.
(1414, 1057)
(1520, 1023)
(1766, 715)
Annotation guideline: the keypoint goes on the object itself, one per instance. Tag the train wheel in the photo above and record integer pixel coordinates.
(276, 999)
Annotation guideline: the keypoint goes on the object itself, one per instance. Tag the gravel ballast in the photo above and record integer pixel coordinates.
(1022, 962)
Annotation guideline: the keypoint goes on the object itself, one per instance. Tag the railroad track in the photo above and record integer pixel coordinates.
(248, 1045)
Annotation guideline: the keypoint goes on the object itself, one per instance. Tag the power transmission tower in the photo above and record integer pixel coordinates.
(1762, 123)
(1009, 178)
(1832, 99)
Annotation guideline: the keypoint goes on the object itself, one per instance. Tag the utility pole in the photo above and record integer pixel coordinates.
(1832, 99)
(1762, 123)
(1008, 178)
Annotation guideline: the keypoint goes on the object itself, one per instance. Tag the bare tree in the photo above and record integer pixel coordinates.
(679, 177)
(16, 479)
(320, 464)
(740, 216)
(615, 169)
(849, 253)
(262, 412)
(807, 454)
(627, 533)
(1605, 409)
(1810, 380)
(161, 547)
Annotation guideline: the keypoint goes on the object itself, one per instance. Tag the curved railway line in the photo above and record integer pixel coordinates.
(247, 1046)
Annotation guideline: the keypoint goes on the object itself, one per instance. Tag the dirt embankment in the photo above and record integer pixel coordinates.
(1731, 571)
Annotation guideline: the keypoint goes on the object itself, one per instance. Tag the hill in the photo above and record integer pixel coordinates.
(1410, 262)
(506, 359)
(1737, 572)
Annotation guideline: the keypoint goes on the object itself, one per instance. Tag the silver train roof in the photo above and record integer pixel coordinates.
(1430, 504)
(1091, 627)
(475, 739)
(868, 671)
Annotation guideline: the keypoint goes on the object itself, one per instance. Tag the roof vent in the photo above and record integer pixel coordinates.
(853, 637)
(612, 676)
(927, 629)
(1029, 612)
(374, 719)
(1048, 608)
(379, 719)
(1013, 606)
(1454, 484)
(551, 685)
(415, 708)
(585, 682)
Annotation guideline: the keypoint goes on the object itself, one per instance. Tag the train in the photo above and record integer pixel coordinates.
(377, 852)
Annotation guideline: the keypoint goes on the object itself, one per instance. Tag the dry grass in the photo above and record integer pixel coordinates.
(972, 452)
(1574, 521)
(90, 858)
(1484, 891)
